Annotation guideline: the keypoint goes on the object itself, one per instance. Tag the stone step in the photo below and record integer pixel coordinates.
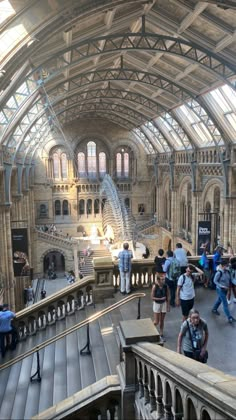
(109, 339)
(86, 361)
(72, 352)
(63, 370)
(100, 362)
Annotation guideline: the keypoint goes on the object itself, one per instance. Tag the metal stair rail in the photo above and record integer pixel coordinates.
(70, 330)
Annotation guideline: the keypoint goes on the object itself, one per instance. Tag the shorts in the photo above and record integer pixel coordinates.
(186, 306)
(159, 308)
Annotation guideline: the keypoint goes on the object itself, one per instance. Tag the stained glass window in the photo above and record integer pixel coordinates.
(63, 166)
(92, 159)
(102, 163)
(81, 164)
(126, 165)
(56, 165)
(118, 165)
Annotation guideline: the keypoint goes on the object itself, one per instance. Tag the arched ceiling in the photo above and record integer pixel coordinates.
(134, 63)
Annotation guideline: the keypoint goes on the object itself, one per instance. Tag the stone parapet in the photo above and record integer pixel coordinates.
(170, 384)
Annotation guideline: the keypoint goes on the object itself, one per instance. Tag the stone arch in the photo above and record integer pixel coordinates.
(205, 415)
(191, 411)
(168, 398)
(179, 409)
(184, 184)
(52, 250)
(127, 140)
(208, 187)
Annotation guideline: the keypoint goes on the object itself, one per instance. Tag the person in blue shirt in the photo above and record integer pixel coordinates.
(222, 281)
(217, 257)
(6, 316)
(125, 257)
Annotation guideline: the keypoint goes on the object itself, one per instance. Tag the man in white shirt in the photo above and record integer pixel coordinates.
(181, 255)
(185, 292)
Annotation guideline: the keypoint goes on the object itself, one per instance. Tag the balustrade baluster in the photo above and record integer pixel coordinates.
(168, 412)
(141, 389)
(112, 412)
(153, 404)
(160, 407)
(146, 394)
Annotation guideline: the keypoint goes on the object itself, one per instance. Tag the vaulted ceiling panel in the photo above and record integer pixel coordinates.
(123, 61)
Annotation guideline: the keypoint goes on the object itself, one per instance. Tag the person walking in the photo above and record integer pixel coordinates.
(185, 290)
(125, 265)
(160, 260)
(232, 269)
(6, 316)
(172, 269)
(193, 337)
(222, 281)
(161, 302)
(181, 255)
(204, 263)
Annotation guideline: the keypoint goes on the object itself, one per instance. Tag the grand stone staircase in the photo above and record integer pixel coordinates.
(64, 370)
(87, 268)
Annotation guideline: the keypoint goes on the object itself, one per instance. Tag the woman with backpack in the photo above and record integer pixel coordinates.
(161, 302)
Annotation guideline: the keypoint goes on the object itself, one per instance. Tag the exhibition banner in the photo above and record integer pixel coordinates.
(20, 252)
(204, 236)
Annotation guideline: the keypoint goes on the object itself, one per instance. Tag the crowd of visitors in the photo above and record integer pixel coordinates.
(174, 286)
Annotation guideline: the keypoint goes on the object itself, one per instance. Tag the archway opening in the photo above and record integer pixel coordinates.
(54, 261)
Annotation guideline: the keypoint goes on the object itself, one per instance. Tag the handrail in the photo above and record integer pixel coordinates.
(72, 329)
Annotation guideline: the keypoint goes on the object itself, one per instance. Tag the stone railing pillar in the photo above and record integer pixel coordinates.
(131, 332)
(104, 287)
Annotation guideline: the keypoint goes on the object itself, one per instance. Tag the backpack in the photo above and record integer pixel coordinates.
(174, 270)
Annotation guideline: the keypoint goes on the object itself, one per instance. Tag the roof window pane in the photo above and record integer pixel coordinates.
(232, 120)
(6, 10)
(219, 98)
(188, 113)
(230, 94)
(203, 133)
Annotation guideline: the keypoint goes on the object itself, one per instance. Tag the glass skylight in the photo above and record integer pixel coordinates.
(6, 11)
(219, 98)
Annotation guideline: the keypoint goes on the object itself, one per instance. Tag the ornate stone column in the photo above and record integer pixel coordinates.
(9, 294)
(174, 213)
(224, 232)
(195, 211)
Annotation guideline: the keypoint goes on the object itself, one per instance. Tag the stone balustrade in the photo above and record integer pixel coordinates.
(170, 386)
(57, 239)
(104, 282)
(142, 275)
(100, 400)
(55, 307)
